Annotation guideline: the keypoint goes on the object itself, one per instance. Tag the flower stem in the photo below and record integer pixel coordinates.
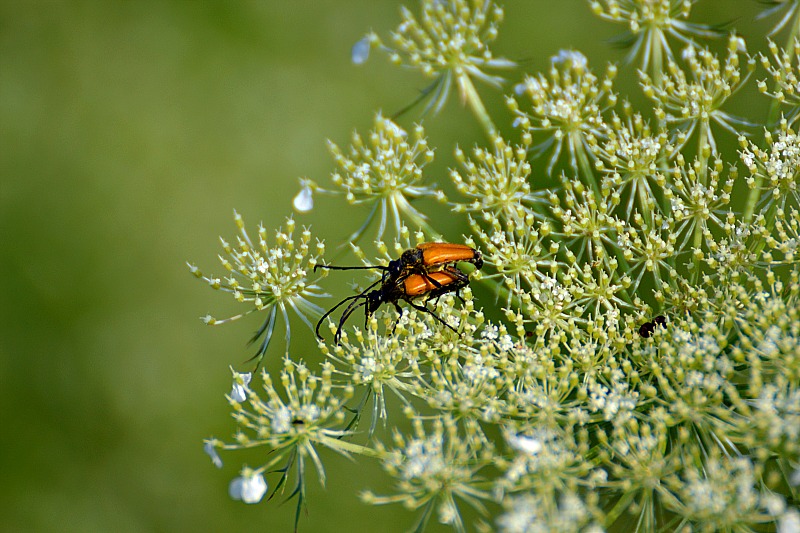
(470, 96)
(349, 447)
(657, 58)
(584, 165)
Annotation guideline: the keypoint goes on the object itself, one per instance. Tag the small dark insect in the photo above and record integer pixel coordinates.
(647, 329)
(409, 287)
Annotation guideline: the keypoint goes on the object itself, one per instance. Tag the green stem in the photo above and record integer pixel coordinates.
(349, 447)
(622, 504)
(470, 96)
(702, 175)
(752, 199)
(502, 292)
(584, 166)
(658, 59)
(623, 264)
(701, 151)
(401, 204)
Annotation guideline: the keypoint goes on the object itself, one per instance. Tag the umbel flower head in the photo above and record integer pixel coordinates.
(435, 468)
(774, 170)
(629, 158)
(698, 198)
(789, 19)
(384, 172)
(650, 24)
(497, 181)
(783, 67)
(540, 512)
(449, 42)
(269, 278)
(566, 108)
(693, 102)
(292, 420)
(640, 363)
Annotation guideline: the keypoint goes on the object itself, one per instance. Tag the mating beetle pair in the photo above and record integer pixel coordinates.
(427, 271)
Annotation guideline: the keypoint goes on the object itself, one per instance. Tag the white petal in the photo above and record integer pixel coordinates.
(248, 488)
(524, 444)
(360, 52)
(789, 522)
(574, 57)
(211, 450)
(794, 479)
(240, 383)
(304, 201)
(253, 489)
(235, 489)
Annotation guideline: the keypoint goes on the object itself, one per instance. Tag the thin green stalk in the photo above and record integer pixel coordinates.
(349, 447)
(657, 59)
(752, 199)
(473, 100)
(584, 166)
(702, 175)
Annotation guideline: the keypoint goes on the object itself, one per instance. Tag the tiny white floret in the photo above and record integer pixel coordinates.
(211, 450)
(304, 201)
(240, 383)
(360, 52)
(250, 487)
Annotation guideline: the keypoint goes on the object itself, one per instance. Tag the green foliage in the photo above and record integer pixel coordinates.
(561, 413)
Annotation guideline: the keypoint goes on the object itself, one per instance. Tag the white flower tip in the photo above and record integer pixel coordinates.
(360, 52)
(249, 488)
(304, 201)
(527, 445)
(392, 127)
(794, 479)
(240, 384)
(238, 393)
(573, 57)
(789, 522)
(245, 377)
(447, 513)
(211, 451)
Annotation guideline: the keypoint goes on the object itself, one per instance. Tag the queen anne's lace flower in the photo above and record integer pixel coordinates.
(631, 352)
(269, 278)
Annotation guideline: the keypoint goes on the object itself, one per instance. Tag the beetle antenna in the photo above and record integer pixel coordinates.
(434, 315)
(337, 306)
(347, 312)
(333, 267)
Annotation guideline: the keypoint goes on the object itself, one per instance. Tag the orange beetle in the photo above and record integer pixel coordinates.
(432, 255)
(434, 284)
(425, 258)
(410, 287)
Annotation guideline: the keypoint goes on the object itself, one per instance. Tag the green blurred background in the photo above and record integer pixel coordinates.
(129, 131)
